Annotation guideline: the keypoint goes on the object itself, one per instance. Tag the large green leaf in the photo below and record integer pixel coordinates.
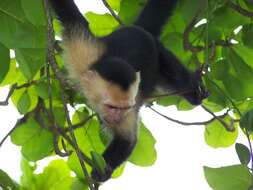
(236, 177)
(144, 153)
(238, 69)
(56, 176)
(34, 11)
(101, 25)
(30, 60)
(16, 31)
(4, 61)
(216, 135)
(36, 142)
(130, 9)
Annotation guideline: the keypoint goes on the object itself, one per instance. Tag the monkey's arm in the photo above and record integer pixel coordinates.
(173, 75)
(120, 148)
(155, 14)
(68, 13)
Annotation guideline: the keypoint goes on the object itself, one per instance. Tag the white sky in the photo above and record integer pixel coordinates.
(181, 149)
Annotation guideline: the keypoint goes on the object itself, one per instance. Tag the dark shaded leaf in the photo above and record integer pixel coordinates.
(4, 61)
(243, 153)
(247, 33)
(246, 121)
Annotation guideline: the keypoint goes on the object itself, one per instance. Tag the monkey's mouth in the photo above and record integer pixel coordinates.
(115, 114)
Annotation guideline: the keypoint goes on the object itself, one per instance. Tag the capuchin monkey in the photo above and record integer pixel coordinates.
(116, 73)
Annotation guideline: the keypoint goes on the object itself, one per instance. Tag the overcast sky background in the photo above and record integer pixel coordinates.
(181, 150)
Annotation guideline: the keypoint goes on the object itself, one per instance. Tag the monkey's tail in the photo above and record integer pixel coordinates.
(155, 15)
(70, 17)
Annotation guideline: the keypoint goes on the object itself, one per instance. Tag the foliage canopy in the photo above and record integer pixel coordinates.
(216, 35)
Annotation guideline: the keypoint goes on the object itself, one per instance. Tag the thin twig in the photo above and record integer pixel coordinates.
(81, 123)
(112, 12)
(18, 123)
(12, 90)
(227, 126)
(187, 123)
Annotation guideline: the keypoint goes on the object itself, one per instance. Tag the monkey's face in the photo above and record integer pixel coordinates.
(109, 100)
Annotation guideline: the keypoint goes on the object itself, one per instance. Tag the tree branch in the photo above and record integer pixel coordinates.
(188, 123)
(195, 49)
(106, 4)
(61, 79)
(240, 10)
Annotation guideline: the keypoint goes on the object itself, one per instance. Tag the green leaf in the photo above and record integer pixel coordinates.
(78, 184)
(16, 32)
(239, 67)
(118, 172)
(4, 61)
(30, 61)
(243, 153)
(59, 116)
(56, 176)
(236, 177)
(36, 142)
(114, 4)
(226, 20)
(217, 136)
(6, 182)
(189, 8)
(34, 11)
(219, 69)
(234, 87)
(144, 153)
(98, 161)
(28, 178)
(88, 139)
(247, 33)
(24, 103)
(245, 53)
(101, 25)
(42, 89)
(130, 9)
(246, 121)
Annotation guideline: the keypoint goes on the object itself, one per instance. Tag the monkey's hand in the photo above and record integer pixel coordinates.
(99, 177)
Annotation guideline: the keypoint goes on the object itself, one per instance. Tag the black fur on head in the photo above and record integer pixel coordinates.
(198, 92)
(116, 70)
